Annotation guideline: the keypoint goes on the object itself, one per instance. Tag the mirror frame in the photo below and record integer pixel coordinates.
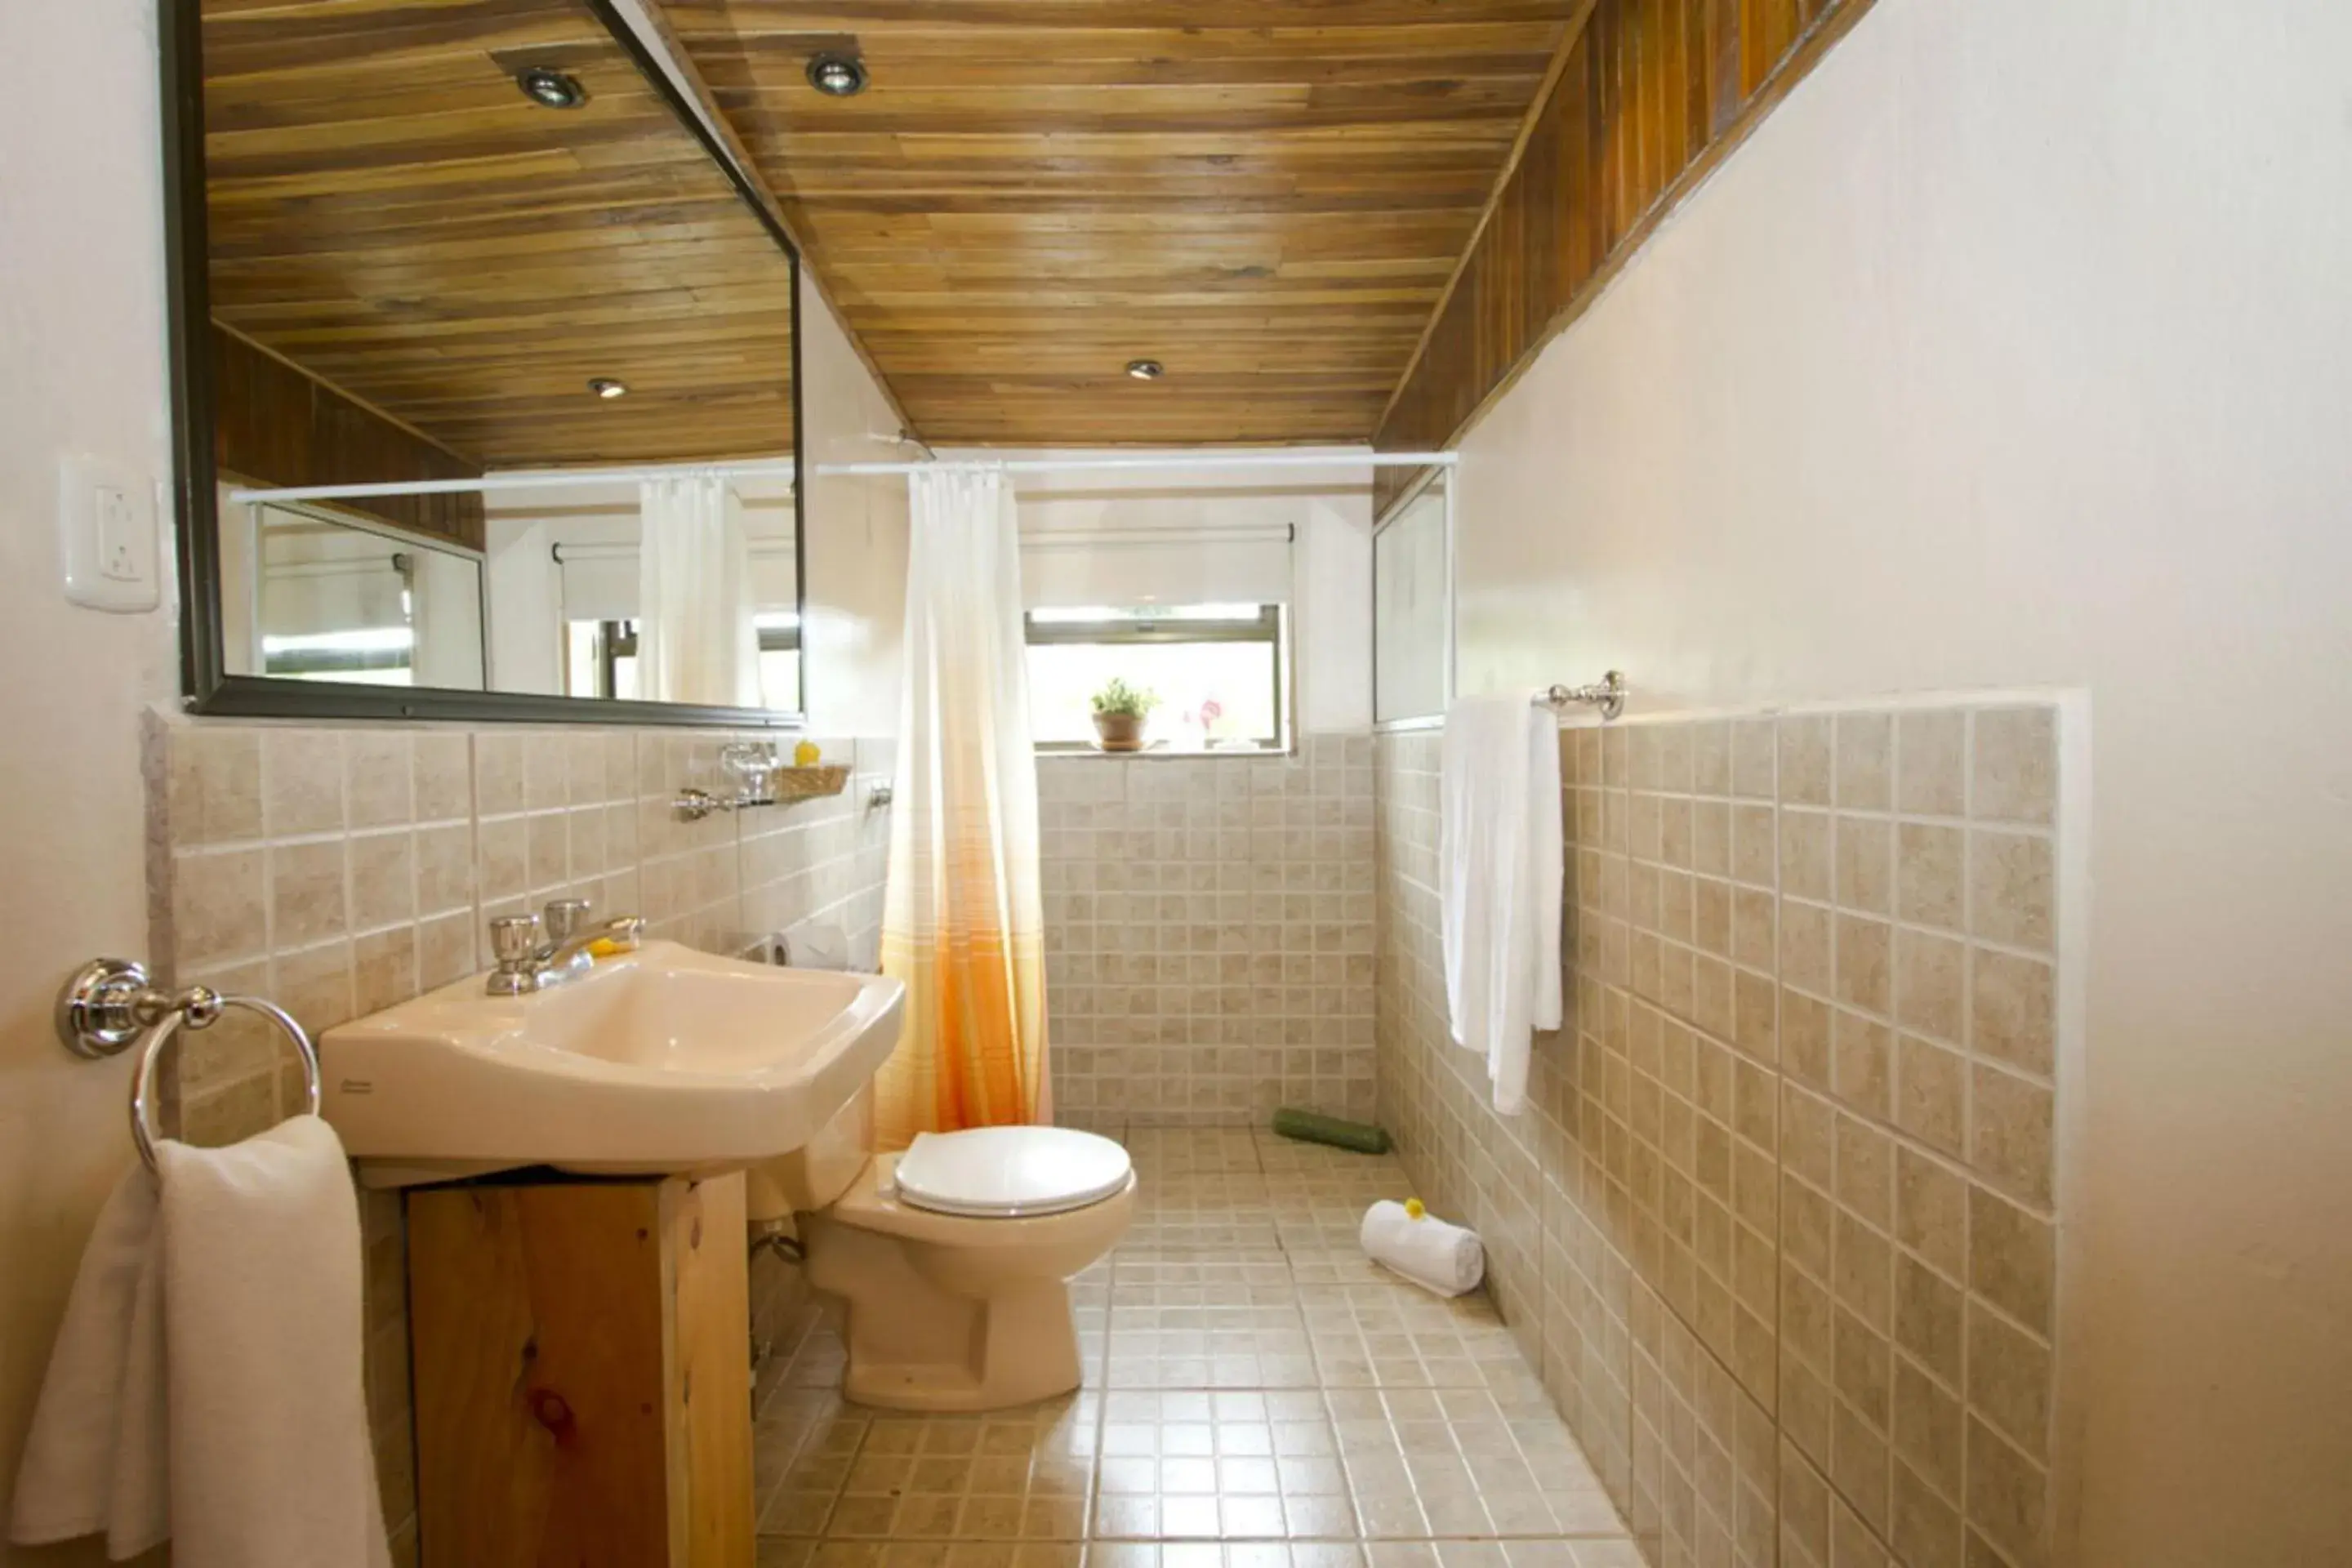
(206, 685)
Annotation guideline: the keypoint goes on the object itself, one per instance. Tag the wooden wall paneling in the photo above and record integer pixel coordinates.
(276, 425)
(1654, 94)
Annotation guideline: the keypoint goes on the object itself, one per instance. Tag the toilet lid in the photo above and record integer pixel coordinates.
(1007, 1173)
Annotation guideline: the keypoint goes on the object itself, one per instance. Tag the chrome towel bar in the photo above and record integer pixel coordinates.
(109, 1003)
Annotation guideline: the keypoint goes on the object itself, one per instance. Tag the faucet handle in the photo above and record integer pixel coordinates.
(514, 944)
(566, 917)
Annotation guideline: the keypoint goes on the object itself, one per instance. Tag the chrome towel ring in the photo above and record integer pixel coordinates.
(109, 1003)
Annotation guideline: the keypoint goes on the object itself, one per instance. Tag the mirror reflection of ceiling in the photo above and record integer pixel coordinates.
(1267, 196)
(389, 213)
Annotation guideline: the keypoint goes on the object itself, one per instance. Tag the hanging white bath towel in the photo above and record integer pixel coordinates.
(208, 1383)
(1500, 867)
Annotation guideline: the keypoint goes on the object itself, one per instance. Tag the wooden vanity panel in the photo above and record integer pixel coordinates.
(583, 1374)
(709, 1290)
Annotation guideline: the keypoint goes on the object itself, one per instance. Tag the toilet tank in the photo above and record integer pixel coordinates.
(810, 1178)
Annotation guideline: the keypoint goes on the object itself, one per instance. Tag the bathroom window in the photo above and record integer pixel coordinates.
(601, 658)
(1219, 671)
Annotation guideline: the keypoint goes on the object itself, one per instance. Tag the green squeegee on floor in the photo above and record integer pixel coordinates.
(1314, 1127)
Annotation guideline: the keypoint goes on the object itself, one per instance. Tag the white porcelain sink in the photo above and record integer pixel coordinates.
(665, 1060)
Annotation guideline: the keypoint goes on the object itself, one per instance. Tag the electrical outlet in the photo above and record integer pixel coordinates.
(106, 513)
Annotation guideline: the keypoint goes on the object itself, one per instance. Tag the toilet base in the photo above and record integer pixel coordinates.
(915, 1346)
(1018, 1349)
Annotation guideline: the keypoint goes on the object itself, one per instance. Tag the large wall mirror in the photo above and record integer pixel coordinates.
(419, 246)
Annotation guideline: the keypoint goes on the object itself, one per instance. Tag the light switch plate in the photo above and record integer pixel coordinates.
(106, 513)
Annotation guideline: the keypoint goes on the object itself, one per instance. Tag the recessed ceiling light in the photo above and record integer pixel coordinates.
(836, 74)
(549, 88)
(1146, 369)
(605, 387)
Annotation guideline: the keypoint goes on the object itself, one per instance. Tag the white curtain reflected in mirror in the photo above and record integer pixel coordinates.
(696, 640)
(573, 613)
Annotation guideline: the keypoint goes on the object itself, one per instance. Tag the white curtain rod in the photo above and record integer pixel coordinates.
(1208, 459)
(539, 479)
(785, 468)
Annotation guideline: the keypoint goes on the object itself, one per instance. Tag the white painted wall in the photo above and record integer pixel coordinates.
(857, 555)
(81, 334)
(1332, 567)
(2016, 349)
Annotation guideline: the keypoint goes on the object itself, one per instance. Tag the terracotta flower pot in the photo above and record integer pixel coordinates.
(1119, 732)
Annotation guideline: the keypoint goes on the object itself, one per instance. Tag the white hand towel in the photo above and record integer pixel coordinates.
(225, 1319)
(98, 1457)
(1501, 860)
(1431, 1253)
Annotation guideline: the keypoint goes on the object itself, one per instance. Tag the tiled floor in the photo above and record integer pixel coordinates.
(1257, 1396)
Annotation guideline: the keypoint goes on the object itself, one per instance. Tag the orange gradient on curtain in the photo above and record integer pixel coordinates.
(963, 924)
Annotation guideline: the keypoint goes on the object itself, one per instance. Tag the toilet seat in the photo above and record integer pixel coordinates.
(1010, 1172)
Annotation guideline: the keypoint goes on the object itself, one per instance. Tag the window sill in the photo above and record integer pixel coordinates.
(1164, 754)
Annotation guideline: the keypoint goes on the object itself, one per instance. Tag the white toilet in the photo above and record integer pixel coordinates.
(952, 1260)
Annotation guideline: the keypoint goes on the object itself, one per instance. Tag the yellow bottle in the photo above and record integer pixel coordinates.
(805, 755)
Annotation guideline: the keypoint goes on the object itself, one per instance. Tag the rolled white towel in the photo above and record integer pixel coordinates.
(1431, 1253)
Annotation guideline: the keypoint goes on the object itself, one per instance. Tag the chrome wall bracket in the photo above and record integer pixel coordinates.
(1607, 694)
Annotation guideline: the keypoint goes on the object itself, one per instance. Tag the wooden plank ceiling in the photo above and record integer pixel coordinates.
(1267, 195)
(389, 213)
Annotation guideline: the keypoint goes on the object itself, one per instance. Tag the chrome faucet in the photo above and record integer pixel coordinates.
(535, 953)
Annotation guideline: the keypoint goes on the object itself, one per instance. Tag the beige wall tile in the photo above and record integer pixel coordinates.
(2007, 1498)
(1865, 963)
(1929, 1319)
(1930, 886)
(219, 907)
(1754, 744)
(314, 983)
(1865, 867)
(498, 772)
(1711, 758)
(2014, 772)
(1863, 1063)
(1805, 1040)
(215, 785)
(383, 879)
(1931, 1094)
(2009, 1381)
(1807, 750)
(1927, 1428)
(2011, 1132)
(2012, 1259)
(443, 760)
(1865, 1172)
(301, 782)
(1931, 763)
(1806, 947)
(306, 893)
(378, 777)
(2011, 890)
(1865, 761)
(1930, 984)
(1863, 1282)
(2012, 1013)
(383, 969)
(444, 868)
(1931, 1211)
(1805, 855)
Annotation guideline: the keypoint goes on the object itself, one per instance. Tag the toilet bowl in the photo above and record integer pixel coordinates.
(950, 1263)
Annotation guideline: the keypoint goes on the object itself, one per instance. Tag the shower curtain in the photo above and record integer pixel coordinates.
(963, 921)
(696, 639)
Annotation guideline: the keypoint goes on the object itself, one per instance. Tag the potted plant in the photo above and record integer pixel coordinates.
(1119, 712)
